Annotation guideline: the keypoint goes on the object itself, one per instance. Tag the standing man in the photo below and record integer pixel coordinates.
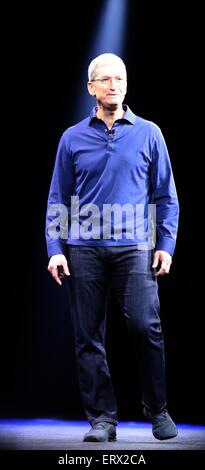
(112, 219)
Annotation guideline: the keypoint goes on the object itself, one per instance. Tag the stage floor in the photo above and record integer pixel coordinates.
(52, 434)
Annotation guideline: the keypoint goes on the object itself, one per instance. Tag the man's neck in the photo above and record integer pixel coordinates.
(109, 116)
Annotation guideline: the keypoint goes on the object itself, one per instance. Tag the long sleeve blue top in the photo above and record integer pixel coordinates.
(125, 167)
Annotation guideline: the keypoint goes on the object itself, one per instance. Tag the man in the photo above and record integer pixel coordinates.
(112, 172)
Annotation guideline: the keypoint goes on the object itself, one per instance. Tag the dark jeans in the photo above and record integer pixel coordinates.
(93, 270)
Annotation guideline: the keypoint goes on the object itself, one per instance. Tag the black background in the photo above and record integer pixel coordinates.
(45, 54)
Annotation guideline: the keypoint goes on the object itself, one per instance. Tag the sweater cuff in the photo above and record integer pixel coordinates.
(56, 248)
(166, 244)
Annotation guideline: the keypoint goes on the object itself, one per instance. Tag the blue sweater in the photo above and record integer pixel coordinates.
(105, 181)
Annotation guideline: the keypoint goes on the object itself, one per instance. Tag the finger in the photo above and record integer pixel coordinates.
(161, 272)
(164, 269)
(155, 261)
(54, 272)
(166, 265)
(63, 270)
(56, 276)
(66, 270)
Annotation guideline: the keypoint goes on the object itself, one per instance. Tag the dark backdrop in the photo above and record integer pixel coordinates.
(44, 60)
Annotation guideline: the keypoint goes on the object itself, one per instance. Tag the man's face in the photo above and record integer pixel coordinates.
(109, 85)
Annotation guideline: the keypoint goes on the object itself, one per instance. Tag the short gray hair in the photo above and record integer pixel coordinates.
(103, 59)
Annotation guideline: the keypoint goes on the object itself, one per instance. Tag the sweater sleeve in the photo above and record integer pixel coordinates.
(164, 195)
(58, 207)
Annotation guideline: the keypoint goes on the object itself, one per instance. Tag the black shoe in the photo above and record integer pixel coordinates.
(162, 425)
(101, 432)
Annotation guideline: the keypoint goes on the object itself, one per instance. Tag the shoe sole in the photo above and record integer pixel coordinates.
(94, 439)
(164, 438)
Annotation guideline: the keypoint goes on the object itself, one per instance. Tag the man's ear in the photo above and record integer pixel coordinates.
(91, 88)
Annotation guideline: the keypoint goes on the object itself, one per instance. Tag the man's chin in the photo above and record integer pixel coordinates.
(113, 106)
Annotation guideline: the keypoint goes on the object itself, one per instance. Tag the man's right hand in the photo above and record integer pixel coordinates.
(55, 262)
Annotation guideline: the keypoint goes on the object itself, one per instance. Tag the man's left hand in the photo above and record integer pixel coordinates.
(165, 261)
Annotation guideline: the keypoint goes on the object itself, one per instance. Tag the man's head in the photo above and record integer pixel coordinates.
(107, 79)
(102, 61)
